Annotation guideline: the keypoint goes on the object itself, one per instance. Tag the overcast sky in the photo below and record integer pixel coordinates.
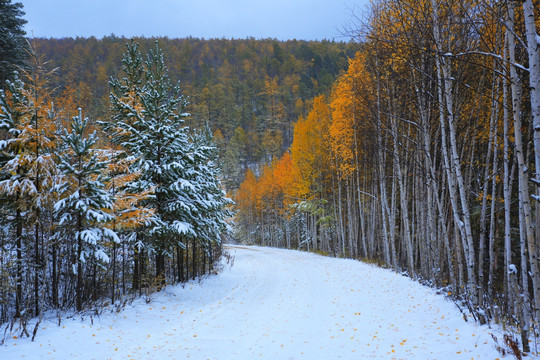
(281, 19)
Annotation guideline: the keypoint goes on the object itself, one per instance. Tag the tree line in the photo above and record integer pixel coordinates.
(94, 210)
(423, 158)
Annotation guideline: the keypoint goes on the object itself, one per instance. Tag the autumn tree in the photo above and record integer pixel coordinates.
(28, 119)
(246, 202)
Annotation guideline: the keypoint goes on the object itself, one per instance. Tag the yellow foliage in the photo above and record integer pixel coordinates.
(310, 149)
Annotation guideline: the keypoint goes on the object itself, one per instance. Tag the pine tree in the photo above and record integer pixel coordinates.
(81, 209)
(211, 201)
(177, 169)
(13, 44)
(148, 123)
(12, 113)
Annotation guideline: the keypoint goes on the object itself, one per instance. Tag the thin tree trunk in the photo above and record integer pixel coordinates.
(113, 280)
(194, 259)
(533, 47)
(507, 191)
(492, 220)
(382, 181)
(203, 260)
(136, 270)
(160, 269)
(523, 189)
(37, 265)
(79, 264)
(180, 263)
(124, 254)
(523, 296)
(19, 285)
(54, 274)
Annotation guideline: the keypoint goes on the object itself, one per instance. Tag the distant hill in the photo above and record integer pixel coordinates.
(249, 91)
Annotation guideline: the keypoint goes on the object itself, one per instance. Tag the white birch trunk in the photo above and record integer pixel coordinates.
(533, 47)
(507, 186)
(492, 220)
(522, 167)
(382, 181)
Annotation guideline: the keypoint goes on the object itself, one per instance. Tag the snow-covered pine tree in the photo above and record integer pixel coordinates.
(122, 131)
(12, 112)
(81, 208)
(125, 99)
(13, 44)
(213, 205)
(148, 124)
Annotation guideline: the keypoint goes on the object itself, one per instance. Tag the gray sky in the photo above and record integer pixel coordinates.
(281, 19)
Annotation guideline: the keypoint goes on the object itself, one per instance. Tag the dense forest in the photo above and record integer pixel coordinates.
(249, 92)
(424, 157)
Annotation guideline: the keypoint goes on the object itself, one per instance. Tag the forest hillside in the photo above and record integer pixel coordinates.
(250, 92)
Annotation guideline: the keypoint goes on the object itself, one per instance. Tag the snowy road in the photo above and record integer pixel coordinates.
(274, 304)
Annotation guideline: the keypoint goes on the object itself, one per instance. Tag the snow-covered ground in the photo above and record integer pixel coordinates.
(274, 304)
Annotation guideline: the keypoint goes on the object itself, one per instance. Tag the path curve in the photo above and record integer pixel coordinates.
(275, 304)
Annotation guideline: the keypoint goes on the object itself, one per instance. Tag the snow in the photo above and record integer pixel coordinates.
(91, 236)
(183, 227)
(108, 233)
(274, 304)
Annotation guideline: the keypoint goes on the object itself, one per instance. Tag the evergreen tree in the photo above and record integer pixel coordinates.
(12, 112)
(12, 41)
(212, 201)
(148, 123)
(81, 209)
(210, 212)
